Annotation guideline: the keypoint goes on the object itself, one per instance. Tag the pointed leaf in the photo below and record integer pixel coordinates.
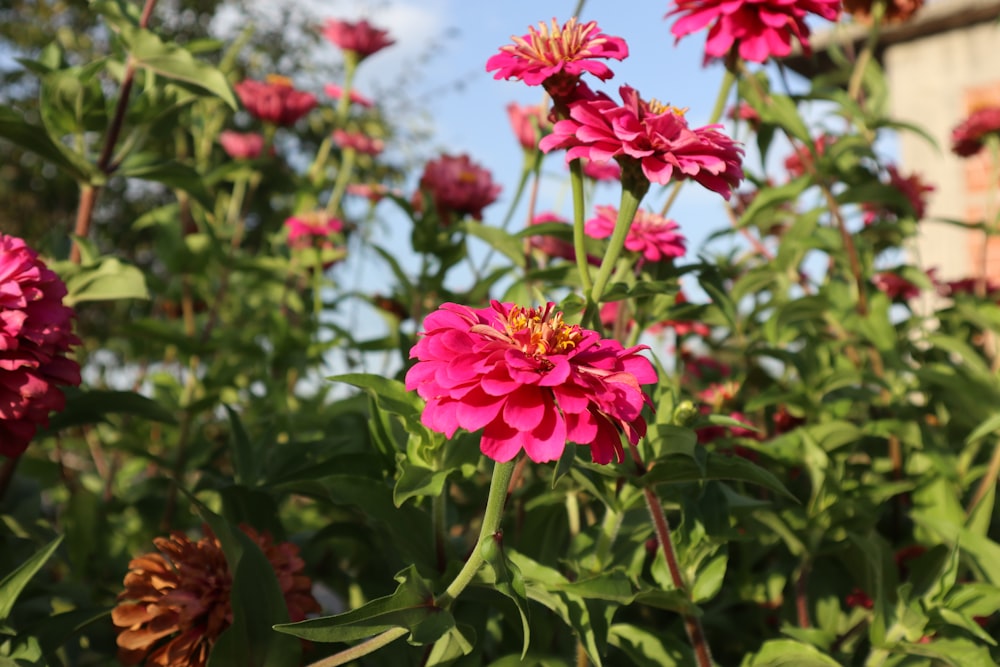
(12, 585)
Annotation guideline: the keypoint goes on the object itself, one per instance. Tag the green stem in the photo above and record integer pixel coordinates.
(348, 158)
(491, 523)
(861, 64)
(626, 212)
(579, 248)
(343, 106)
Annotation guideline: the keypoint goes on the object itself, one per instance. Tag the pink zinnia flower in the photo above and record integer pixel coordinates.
(969, 137)
(459, 187)
(373, 192)
(655, 135)
(895, 286)
(912, 187)
(651, 235)
(556, 57)
(530, 381)
(362, 143)
(552, 246)
(336, 92)
(307, 229)
(602, 171)
(275, 100)
(530, 124)
(797, 163)
(36, 332)
(361, 38)
(242, 145)
(760, 29)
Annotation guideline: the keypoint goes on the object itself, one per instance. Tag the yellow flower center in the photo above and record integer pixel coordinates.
(555, 45)
(657, 107)
(541, 332)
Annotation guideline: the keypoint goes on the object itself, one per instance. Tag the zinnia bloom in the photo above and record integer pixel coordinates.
(176, 599)
(895, 286)
(242, 145)
(275, 101)
(361, 39)
(656, 136)
(362, 143)
(602, 171)
(308, 229)
(556, 57)
(552, 246)
(459, 187)
(969, 137)
(912, 187)
(796, 164)
(760, 29)
(336, 92)
(530, 381)
(896, 11)
(651, 235)
(36, 332)
(530, 124)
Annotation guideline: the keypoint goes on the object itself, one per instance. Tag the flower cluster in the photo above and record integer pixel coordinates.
(458, 187)
(275, 101)
(755, 29)
(653, 135)
(556, 57)
(176, 599)
(530, 381)
(36, 333)
(969, 137)
(360, 39)
(654, 237)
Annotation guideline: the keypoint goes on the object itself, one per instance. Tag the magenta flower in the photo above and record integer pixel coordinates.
(36, 332)
(530, 381)
(969, 136)
(361, 38)
(306, 230)
(552, 246)
(654, 135)
(275, 100)
(912, 187)
(759, 29)
(362, 143)
(336, 92)
(602, 171)
(242, 145)
(458, 187)
(530, 124)
(895, 286)
(651, 235)
(556, 57)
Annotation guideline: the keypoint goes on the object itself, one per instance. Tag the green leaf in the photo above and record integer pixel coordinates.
(681, 468)
(108, 280)
(790, 653)
(649, 649)
(94, 405)
(12, 585)
(409, 605)
(171, 173)
(418, 481)
(174, 62)
(990, 425)
(458, 641)
(509, 582)
(34, 138)
(510, 245)
(244, 460)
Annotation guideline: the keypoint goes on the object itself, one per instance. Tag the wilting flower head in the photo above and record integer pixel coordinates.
(336, 92)
(654, 135)
(760, 29)
(361, 39)
(895, 286)
(896, 11)
(530, 381)
(360, 142)
(458, 186)
(969, 137)
(651, 235)
(275, 100)
(176, 599)
(602, 171)
(556, 57)
(530, 124)
(242, 145)
(36, 332)
(912, 187)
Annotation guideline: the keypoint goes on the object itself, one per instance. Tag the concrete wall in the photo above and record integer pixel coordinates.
(936, 81)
